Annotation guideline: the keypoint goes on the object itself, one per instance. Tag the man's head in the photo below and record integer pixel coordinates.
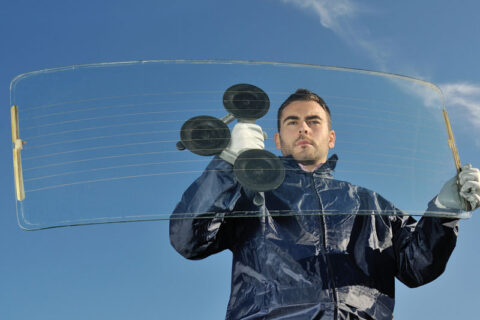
(304, 128)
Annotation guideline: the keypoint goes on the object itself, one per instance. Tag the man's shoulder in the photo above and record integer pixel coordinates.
(362, 192)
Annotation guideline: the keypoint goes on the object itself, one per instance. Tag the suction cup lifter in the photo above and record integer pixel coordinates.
(246, 102)
(257, 170)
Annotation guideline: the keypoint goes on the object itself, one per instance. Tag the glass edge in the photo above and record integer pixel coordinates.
(225, 61)
(37, 227)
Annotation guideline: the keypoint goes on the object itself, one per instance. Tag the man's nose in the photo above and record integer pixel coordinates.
(303, 129)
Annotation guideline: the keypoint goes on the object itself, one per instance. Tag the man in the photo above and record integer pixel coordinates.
(293, 262)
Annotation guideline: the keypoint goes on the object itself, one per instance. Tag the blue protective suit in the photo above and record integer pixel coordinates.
(290, 263)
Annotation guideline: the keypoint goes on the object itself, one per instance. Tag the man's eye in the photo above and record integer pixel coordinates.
(289, 123)
(314, 122)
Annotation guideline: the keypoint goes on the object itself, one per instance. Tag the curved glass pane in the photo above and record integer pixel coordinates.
(101, 139)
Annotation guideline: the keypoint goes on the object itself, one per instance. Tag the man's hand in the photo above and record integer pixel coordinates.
(469, 181)
(244, 136)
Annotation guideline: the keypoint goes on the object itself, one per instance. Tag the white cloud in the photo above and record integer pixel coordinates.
(464, 98)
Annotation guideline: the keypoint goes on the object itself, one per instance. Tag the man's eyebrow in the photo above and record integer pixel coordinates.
(313, 117)
(290, 118)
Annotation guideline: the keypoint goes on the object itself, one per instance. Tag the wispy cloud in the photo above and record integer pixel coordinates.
(343, 18)
(340, 16)
(332, 13)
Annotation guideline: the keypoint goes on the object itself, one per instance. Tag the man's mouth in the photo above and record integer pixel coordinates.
(303, 142)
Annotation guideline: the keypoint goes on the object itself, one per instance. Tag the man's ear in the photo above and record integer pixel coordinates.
(276, 137)
(331, 139)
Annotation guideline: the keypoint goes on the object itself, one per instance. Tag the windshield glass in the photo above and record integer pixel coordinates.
(101, 141)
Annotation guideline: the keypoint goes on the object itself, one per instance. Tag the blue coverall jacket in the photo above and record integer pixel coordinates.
(291, 263)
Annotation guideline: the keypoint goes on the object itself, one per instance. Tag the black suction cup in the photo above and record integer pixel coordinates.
(245, 101)
(205, 135)
(259, 170)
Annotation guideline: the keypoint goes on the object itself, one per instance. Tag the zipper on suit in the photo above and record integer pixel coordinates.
(331, 280)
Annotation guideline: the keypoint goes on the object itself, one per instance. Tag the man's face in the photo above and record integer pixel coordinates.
(304, 133)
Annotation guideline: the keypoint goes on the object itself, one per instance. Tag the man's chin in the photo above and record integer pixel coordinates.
(306, 161)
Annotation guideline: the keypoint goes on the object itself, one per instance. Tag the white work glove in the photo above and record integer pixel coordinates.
(450, 197)
(244, 136)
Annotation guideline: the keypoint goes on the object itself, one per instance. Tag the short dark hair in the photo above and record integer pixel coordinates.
(303, 95)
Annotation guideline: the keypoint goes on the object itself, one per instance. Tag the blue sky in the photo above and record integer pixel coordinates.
(125, 271)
